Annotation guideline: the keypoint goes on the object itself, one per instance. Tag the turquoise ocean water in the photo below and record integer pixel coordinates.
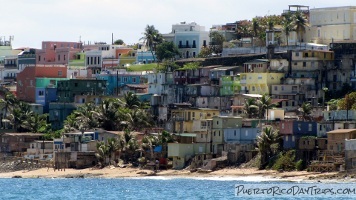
(135, 188)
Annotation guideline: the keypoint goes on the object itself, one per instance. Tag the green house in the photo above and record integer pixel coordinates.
(229, 85)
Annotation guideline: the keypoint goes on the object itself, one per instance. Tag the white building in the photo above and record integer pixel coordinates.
(189, 38)
(333, 24)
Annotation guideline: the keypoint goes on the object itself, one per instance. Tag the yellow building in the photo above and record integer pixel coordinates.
(192, 120)
(259, 83)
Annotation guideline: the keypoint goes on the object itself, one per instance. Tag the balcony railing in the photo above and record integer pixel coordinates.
(184, 46)
(10, 65)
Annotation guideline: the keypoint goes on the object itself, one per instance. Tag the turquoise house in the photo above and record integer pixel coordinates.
(116, 80)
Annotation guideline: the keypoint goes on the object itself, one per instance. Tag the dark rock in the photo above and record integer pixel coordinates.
(17, 177)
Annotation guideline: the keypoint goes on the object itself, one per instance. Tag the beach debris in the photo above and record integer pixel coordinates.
(141, 172)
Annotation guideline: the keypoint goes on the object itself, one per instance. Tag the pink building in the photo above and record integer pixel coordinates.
(53, 52)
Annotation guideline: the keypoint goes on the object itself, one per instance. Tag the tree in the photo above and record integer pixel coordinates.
(300, 22)
(102, 153)
(148, 142)
(119, 42)
(255, 28)
(166, 50)
(107, 114)
(267, 145)
(164, 138)
(21, 112)
(264, 104)
(151, 38)
(205, 52)
(217, 40)
(287, 25)
(348, 102)
(138, 119)
(131, 100)
(250, 107)
(36, 123)
(8, 103)
(306, 110)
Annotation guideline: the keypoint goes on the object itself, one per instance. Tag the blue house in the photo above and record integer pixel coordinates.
(145, 57)
(241, 135)
(300, 129)
(305, 128)
(116, 80)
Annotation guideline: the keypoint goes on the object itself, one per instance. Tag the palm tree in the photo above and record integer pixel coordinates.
(151, 38)
(250, 107)
(107, 114)
(113, 145)
(306, 110)
(267, 145)
(139, 118)
(255, 27)
(164, 138)
(287, 25)
(37, 123)
(102, 153)
(130, 146)
(264, 104)
(8, 103)
(21, 112)
(131, 100)
(148, 142)
(300, 22)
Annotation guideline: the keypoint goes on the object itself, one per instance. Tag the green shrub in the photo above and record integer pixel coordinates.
(299, 165)
(285, 162)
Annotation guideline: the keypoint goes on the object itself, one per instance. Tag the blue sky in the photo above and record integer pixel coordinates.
(33, 21)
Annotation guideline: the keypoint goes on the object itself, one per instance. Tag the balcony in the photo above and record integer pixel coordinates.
(184, 46)
(13, 66)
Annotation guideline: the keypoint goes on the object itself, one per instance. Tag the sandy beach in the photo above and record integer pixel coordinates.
(227, 173)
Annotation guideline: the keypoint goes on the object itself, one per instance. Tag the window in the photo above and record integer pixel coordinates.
(133, 79)
(214, 133)
(75, 84)
(275, 87)
(125, 79)
(304, 64)
(40, 93)
(201, 135)
(39, 58)
(296, 53)
(59, 57)
(217, 122)
(234, 132)
(310, 127)
(31, 82)
(295, 63)
(219, 133)
(59, 73)
(282, 125)
(282, 88)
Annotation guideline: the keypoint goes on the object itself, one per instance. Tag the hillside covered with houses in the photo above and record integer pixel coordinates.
(278, 90)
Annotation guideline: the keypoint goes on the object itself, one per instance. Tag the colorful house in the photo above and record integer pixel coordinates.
(229, 85)
(117, 80)
(27, 82)
(184, 119)
(220, 123)
(259, 83)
